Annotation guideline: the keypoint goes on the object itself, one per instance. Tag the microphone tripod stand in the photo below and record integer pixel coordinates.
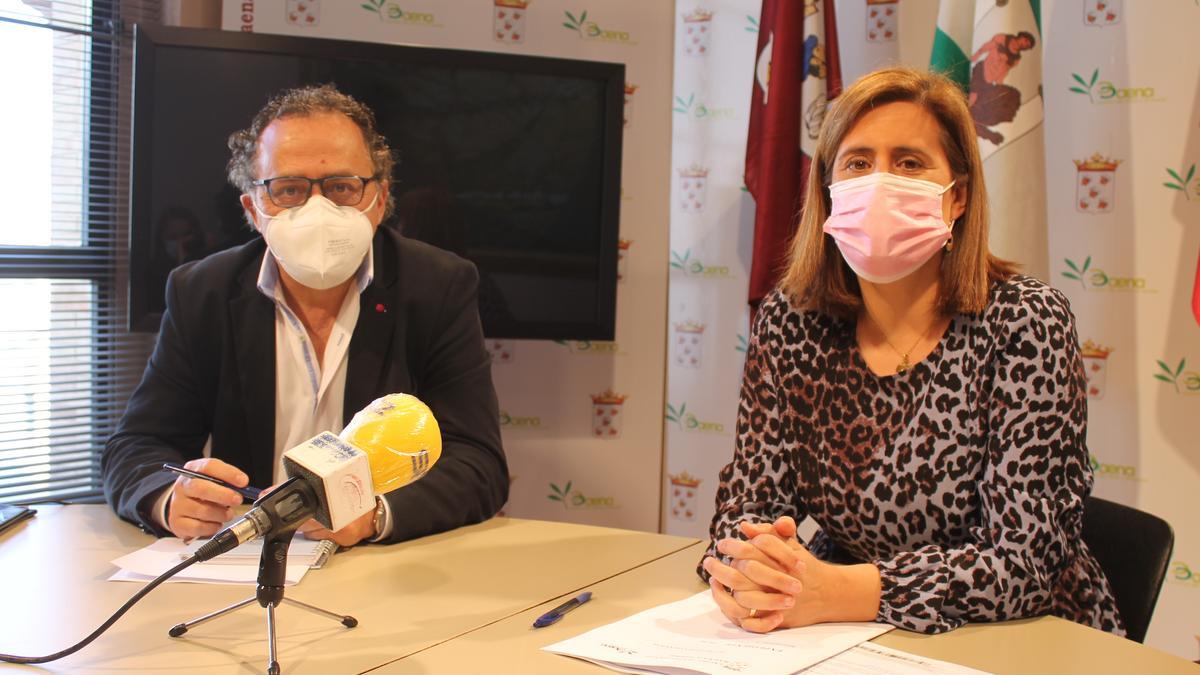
(272, 571)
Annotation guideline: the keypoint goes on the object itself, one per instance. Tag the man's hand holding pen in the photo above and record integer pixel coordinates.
(198, 508)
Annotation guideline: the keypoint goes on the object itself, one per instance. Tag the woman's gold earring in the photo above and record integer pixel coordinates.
(950, 241)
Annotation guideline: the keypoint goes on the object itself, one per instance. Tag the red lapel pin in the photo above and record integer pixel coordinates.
(380, 308)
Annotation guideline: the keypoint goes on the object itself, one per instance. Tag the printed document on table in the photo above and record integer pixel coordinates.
(147, 563)
(870, 659)
(692, 636)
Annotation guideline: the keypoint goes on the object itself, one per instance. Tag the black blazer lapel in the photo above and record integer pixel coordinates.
(252, 318)
(370, 346)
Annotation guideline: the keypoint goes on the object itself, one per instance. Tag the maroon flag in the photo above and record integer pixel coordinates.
(795, 75)
(1196, 294)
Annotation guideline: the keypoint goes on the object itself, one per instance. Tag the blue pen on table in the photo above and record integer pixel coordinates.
(557, 613)
(248, 492)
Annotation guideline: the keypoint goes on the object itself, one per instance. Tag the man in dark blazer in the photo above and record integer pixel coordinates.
(247, 330)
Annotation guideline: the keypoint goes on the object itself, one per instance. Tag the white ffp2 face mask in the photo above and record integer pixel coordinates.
(319, 244)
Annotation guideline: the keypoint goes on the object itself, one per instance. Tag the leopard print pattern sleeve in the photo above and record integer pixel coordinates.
(961, 479)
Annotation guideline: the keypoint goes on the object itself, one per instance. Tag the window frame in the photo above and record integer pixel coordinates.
(98, 256)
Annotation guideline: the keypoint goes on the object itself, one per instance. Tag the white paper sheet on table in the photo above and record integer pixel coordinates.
(869, 659)
(692, 636)
(301, 551)
(147, 563)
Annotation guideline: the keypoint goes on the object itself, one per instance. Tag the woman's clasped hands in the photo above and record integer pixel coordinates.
(772, 581)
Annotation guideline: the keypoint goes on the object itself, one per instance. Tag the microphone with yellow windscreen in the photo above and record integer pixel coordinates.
(334, 479)
(400, 437)
(387, 445)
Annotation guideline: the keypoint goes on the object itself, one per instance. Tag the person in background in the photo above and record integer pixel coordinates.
(913, 394)
(267, 344)
(178, 237)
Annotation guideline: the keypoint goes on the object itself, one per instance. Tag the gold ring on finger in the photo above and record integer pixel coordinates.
(753, 612)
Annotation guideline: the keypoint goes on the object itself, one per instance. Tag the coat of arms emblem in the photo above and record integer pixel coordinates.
(508, 21)
(623, 258)
(697, 32)
(606, 414)
(683, 496)
(882, 20)
(501, 351)
(1101, 12)
(693, 184)
(305, 13)
(628, 111)
(1095, 366)
(689, 344)
(1095, 184)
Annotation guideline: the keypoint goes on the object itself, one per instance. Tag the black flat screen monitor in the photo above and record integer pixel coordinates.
(512, 162)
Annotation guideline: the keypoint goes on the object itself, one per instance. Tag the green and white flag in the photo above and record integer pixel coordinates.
(994, 52)
(952, 41)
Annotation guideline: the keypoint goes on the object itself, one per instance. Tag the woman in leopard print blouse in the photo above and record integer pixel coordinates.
(909, 392)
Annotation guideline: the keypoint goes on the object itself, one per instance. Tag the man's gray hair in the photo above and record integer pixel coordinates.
(303, 101)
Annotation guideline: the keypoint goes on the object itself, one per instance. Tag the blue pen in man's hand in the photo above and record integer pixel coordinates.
(248, 492)
(557, 613)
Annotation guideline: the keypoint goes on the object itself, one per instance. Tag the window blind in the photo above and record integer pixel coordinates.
(67, 362)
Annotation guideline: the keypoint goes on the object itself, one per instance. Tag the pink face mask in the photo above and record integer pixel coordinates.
(886, 226)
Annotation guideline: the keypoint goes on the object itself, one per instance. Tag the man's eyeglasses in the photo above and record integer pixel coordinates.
(288, 192)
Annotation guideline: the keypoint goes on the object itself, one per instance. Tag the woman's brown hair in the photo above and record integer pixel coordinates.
(818, 278)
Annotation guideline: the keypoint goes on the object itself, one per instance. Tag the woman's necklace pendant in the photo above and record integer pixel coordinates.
(903, 365)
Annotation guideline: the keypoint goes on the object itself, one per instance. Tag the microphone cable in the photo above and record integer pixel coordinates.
(12, 658)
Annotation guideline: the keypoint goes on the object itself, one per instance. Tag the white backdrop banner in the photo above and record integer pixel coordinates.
(712, 222)
(1123, 198)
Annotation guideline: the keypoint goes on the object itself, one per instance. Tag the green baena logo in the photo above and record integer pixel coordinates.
(689, 422)
(393, 13)
(742, 344)
(1096, 279)
(1103, 470)
(590, 30)
(1183, 182)
(691, 108)
(1182, 573)
(574, 499)
(594, 347)
(1186, 382)
(514, 422)
(694, 268)
(1103, 91)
